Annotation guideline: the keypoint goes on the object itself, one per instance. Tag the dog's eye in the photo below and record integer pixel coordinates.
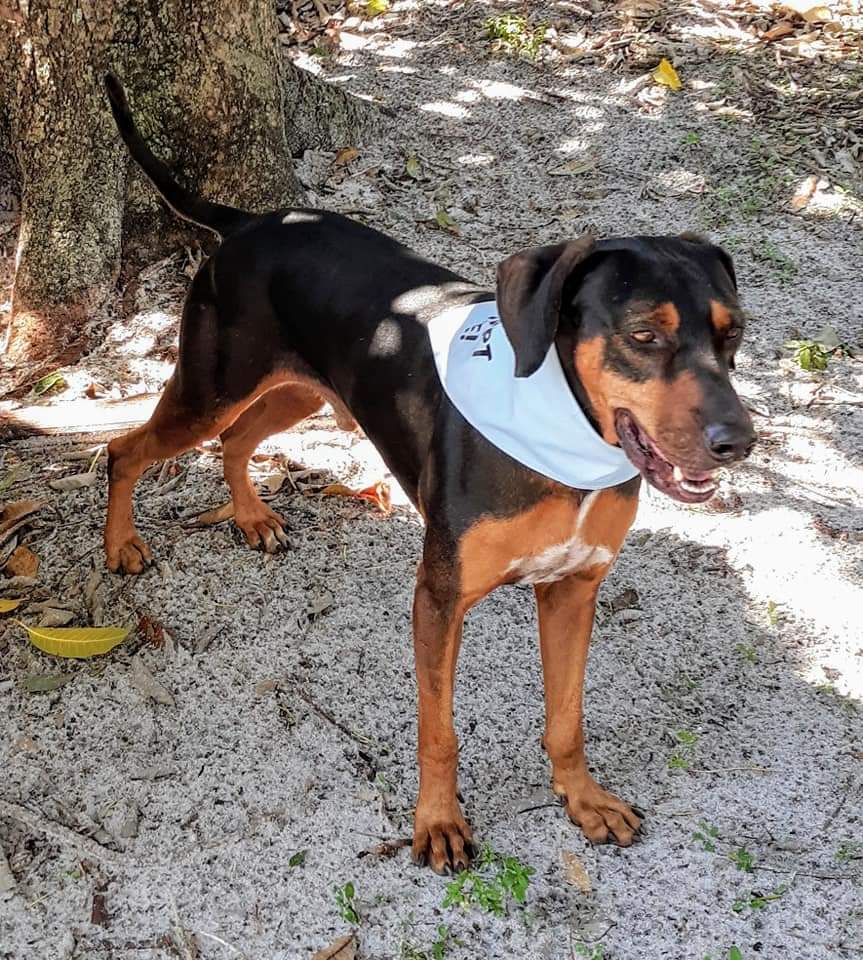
(643, 336)
(733, 334)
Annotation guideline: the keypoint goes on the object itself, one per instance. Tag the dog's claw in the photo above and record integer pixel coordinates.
(262, 528)
(132, 555)
(442, 840)
(602, 817)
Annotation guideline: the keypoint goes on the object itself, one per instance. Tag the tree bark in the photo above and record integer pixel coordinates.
(211, 92)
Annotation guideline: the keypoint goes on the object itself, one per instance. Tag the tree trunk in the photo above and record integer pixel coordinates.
(208, 85)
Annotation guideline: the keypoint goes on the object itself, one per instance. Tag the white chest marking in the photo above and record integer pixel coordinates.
(561, 559)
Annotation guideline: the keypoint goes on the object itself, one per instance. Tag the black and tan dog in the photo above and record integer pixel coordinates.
(291, 312)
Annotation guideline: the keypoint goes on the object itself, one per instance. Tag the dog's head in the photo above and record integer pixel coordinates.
(646, 329)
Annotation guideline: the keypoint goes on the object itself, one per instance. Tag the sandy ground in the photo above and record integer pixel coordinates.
(724, 686)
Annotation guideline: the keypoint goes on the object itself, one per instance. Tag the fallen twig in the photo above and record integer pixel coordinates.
(66, 836)
(356, 737)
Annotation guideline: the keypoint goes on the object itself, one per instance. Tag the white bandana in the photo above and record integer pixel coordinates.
(536, 419)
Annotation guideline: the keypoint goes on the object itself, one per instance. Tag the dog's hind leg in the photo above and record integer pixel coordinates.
(274, 412)
(175, 426)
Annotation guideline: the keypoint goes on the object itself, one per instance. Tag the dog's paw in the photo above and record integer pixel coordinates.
(442, 839)
(603, 818)
(263, 528)
(128, 554)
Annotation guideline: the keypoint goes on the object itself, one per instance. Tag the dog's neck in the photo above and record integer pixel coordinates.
(565, 343)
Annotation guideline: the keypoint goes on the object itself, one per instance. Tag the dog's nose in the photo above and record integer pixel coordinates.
(729, 441)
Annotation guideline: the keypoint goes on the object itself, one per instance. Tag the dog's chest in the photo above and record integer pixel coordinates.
(563, 557)
(559, 561)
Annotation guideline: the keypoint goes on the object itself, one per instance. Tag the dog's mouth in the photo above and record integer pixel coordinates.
(678, 483)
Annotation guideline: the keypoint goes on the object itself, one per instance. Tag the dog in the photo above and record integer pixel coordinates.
(520, 422)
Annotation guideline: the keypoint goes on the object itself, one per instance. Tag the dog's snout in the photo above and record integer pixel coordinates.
(727, 442)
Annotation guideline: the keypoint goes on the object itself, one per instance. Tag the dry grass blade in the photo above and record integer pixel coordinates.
(345, 948)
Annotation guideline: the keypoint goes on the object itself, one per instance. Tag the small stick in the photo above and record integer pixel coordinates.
(363, 741)
(69, 838)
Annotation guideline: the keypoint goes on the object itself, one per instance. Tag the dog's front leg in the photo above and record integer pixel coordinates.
(442, 837)
(566, 610)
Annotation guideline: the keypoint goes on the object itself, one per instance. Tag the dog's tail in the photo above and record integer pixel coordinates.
(214, 216)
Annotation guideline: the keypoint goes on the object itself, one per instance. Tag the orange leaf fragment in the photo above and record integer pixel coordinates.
(378, 494)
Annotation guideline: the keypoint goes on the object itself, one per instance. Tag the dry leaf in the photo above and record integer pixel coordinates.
(76, 482)
(211, 517)
(78, 642)
(99, 911)
(95, 390)
(263, 687)
(274, 482)
(344, 948)
(15, 512)
(804, 193)
(378, 494)
(345, 156)
(22, 563)
(627, 599)
(667, 75)
(811, 12)
(575, 871)
(147, 685)
(782, 29)
(387, 849)
(45, 682)
(641, 9)
(573, 167)
(317, 606)
(56, 618)
(7, 605)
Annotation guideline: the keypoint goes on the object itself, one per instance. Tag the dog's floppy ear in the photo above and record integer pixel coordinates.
(723, 255)
(529, 291)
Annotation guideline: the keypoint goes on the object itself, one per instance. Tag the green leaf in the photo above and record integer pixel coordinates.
(445, 221)
(743, 860)
(48, 382)
(412, 167)
(374, 8)
(773, 612)
(735, 954)
(9, 479)
(43, 682)
(298, 859)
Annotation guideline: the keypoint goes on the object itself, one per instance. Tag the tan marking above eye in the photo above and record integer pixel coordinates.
(666, 315)
(721, 317)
